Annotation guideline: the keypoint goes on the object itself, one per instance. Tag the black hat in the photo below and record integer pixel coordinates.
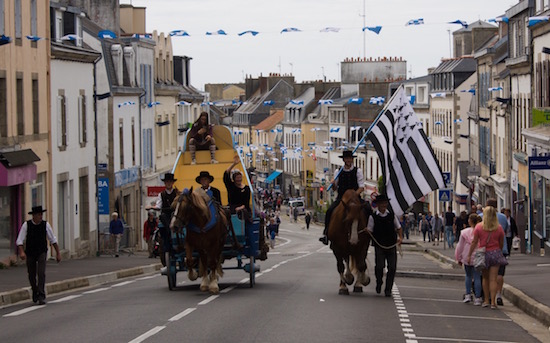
(381, 197)
(169, 177)
(347, 153)
(37, 209)
(204, 174)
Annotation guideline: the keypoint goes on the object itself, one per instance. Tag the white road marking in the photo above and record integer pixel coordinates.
(97, 290)
(148, 334)
(23, 311)
(70, 297)
(148, 277)
(274, 253)
(182, 314)
(406, 326)
(434, 288)
(456, 316)
(543, 265)
(227, 290)
(443, 339)
(123, 283)
(209, 299)
(433, 299)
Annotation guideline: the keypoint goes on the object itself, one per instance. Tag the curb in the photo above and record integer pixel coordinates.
(429, 275)
(25, 293)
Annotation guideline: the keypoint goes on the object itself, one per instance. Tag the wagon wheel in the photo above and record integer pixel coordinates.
(171, 272)
(252, 271)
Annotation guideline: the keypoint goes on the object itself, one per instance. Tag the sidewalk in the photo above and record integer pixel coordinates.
(526, 279)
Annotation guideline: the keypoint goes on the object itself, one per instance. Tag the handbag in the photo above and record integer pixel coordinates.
(479, 257)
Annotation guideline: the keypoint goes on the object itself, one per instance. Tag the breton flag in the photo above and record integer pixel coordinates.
(409, 166)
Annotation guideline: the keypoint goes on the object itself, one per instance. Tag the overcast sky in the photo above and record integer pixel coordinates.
(310, 54)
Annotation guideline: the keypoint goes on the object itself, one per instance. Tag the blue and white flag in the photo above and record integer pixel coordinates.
(418, 21)
(357, 101)
(412, 99)
(70, 37)
(461, 22)
(253, 33)
(315, 129)
(494, 89)
(325, 102)
(207, 103)
(182, 103)
(377, 100)
(297, 131)
(499, 19)
(126, 103)
(217, 33)
(291, 29)
(153, 103)
(354, 128)
(438, 122)
(538, 19)
(330, 29)
(409, 167)
(375, 29)
(297, 102)
(269, 103)
(457, 121)
(276, 130)
(236, 102)
(438, 95)
(471, 90)
(33, 38)
(4, 39)
(106, 34)
(178, 33)
(334, 129)
(142, 35)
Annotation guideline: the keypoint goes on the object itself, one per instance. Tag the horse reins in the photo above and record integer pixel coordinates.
(380, 245)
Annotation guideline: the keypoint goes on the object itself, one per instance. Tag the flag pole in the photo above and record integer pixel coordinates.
(365, 136)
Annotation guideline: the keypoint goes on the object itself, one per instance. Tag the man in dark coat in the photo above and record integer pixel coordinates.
(204, 179)
(164, 204)
(36, 232)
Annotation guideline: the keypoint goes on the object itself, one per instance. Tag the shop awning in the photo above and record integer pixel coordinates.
(273, 176)
(17, 167)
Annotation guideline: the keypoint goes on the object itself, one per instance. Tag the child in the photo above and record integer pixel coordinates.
(461, 256)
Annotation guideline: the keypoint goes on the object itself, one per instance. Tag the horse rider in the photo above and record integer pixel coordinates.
(350, 177)
(164, 205)
(387, 235)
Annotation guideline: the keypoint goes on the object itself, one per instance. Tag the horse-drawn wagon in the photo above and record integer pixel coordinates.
(242, 244)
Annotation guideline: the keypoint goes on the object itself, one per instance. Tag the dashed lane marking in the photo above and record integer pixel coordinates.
(148, 334)
(209, 299)
(23, 311)
(70, 297)
(406, 327)
(182, 314)
(444, 339)
(97, 290)
(456, 316)
(123, 283)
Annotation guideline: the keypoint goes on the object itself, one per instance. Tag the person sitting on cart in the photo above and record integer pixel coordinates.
(204, 179)
(238, 194)
(164, 204)
(350, 177)
(202, 138)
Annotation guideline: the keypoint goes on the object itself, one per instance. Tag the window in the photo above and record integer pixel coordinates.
(84, 208)
(82, 118)
(174, 133)
(166, 135)
(33, 18)
(121, 142)
(158, 137)
(147, 148)
(35, 107)
(18, 24)
(37, 188)
(3, 106)
(61, 120)
(2, 22)
(58, 26)
(133, 141)
(421, 95)
(20, 109)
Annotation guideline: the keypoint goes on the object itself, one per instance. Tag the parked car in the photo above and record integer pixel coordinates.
(299, 204)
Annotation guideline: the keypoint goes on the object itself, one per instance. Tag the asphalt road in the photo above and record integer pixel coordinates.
(295, 299)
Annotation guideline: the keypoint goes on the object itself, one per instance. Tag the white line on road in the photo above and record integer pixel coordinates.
(148, 277)
(209, 299)
(123, 283)
(23, 311)
(406, 327)
(275, 253)
(227, 290)
(148, 334)
(434, 288)
(182, 314)
(70, 297)
(543, 265)
(97, 290)
(443, 339)
(456, 316)
(433, 299)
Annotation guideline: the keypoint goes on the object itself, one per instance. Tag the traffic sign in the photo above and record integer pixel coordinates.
(447, 178)
(444, 195)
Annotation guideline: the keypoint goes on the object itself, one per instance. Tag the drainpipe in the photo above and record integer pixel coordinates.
(96, 153)
(143, 93)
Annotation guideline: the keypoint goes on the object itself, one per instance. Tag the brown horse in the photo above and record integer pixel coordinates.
(349, 242)
(204, 234)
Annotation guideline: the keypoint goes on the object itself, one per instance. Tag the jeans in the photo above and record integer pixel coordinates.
(449, 236)
(472, 273)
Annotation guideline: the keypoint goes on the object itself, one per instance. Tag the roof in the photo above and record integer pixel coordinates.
(270, 122)
(18, 158)
(457, 65)
(476, 25)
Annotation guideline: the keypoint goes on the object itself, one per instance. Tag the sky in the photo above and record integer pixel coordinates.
(310, 54)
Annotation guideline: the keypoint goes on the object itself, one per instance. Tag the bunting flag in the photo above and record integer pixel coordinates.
(4, 39)
(276, 130)
(461, 22)
(330, 29)
(315, 129)
(142, 35)
(217, 33)
(163, 123)
(236, 102)
(354, 128)
(438, 122)
(269, 103)
(207, 103)
(357, 101)
(499, 19)
(182, 103)
(375, 29)
(494, 89)
(178, 33)
(334, 129)
(153, 103)
(106, 34)
(418, 21)
(457, 121)
(253, 33)
(377, 100)
(412, 99)
(536, 20)
(409, 166)
(126, 103)
(438, 95)
(297, 102)
(290, 29)
(33, 38)
(325, 102)
(70, 37)
(297, 131)
(471, 90)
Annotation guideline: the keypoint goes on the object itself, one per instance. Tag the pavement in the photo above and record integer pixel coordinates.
(526, 278)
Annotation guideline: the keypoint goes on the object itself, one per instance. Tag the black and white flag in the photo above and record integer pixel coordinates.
(409, 166)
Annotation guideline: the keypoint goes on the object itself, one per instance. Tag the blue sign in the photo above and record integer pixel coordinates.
(444, 195)
(103, 195)
(539, 162)
(447, 178)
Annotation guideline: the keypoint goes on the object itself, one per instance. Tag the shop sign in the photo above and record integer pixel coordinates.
(539, 162)
(541, 116)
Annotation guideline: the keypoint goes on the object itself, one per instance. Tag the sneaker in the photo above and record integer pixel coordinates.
(467, 298)
(213, 161)
(163, 270)
(324, 240)
(477, 302)
(499, 301)
(485, 305)
(193, 161)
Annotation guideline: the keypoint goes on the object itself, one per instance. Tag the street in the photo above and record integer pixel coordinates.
(295, 299)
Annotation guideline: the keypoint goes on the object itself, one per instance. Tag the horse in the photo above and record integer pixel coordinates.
(206, 230)
(350, 241)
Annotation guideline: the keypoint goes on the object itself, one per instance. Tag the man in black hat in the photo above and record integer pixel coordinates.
(205, 179)
(164, 203)
(350, 177)
(35, 232)
(387, 232)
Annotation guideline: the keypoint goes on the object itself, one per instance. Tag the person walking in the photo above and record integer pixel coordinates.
(387, 234)
(295, 214)
(34, 235)
(449, 227)
(424, 227)
(116, 229)
(461, 256)
(308, 219)
(149, 227)
(437, 225)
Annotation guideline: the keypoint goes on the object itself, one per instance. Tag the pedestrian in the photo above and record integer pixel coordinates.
(273, 229)
(424, 227)
(512, 228)
(437, 225)
(387, 234)
(116, 229)
(489, 235)
(149, 227)
(35, 233)
(295, 214)
(308, 219)
(449, 227)
(461, 223)
(461, 256)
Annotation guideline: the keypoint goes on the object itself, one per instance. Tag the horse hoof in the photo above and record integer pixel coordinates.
(357, 289)
(204, 288)
(214, 290)
(343, 291)
(193, 275)
(367, 281)
(349, 279)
